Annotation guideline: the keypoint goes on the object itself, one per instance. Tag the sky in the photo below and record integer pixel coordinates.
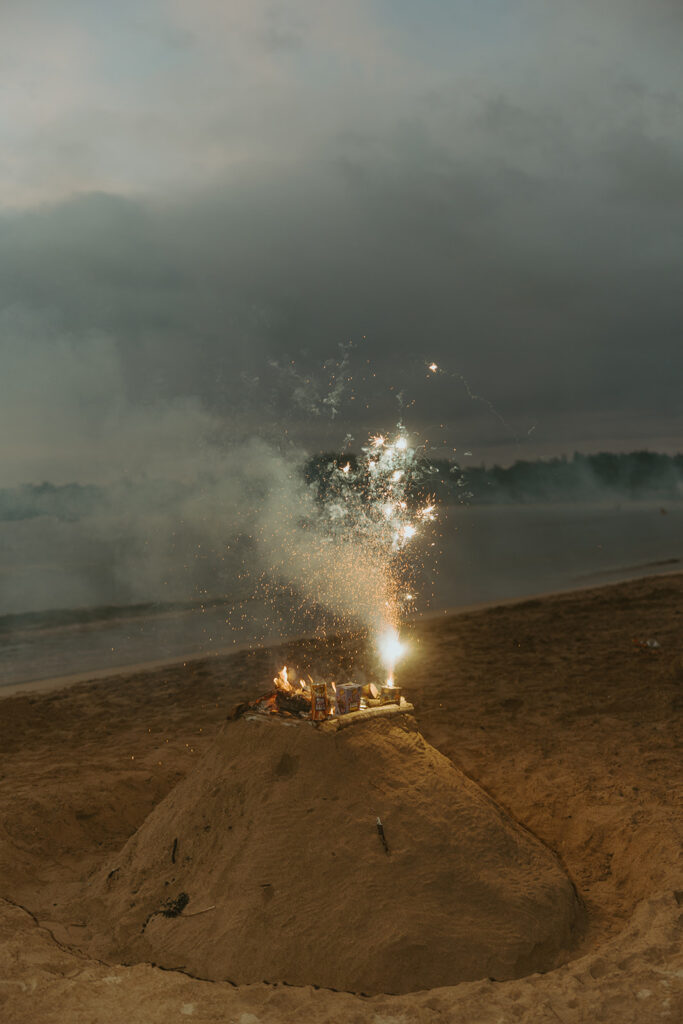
(221, 220)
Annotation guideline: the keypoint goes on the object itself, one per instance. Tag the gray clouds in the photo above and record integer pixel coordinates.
(495, 187)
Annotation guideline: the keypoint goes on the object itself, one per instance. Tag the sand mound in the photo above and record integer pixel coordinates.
(276, 827)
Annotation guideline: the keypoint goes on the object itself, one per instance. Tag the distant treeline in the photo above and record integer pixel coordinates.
(631, 477)
(623, 477)
(636, 476)
(66, 501)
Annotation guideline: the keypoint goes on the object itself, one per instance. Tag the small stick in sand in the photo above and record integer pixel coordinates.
(198, 912)
(380, 833)
(173, 851)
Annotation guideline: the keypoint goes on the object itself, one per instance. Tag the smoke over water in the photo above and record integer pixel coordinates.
(109, 501)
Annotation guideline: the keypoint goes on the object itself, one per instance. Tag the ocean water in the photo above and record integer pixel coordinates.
(63, 607)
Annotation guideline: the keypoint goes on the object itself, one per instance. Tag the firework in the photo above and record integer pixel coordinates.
(369, 518)
(345, 542)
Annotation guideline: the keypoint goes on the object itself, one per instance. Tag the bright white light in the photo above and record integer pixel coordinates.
(402, 444)
(433, 367)
(390, 648)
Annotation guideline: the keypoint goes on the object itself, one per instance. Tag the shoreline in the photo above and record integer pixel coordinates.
(49, 684)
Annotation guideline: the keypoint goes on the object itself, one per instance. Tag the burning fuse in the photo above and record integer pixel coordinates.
(319, 705)
(348, 698)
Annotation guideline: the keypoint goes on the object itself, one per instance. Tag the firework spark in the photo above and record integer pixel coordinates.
(349, 541)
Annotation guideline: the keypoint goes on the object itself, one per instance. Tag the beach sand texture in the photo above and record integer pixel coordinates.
(550, 707)
(275, 829)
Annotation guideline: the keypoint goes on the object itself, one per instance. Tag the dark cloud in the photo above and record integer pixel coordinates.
(548, 296)
(514, 214)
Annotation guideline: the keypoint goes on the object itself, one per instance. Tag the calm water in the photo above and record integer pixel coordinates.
(487, 554)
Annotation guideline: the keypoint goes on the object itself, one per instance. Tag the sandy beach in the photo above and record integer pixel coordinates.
(558, 709)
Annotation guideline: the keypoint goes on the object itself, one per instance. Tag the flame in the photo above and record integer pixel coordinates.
(391, 650)
(282, 680)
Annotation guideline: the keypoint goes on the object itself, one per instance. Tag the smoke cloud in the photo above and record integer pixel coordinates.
(158, 501)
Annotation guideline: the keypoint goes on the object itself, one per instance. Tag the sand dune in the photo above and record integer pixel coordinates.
(550, 706)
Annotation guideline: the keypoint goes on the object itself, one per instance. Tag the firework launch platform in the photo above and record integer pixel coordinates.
(336, 722)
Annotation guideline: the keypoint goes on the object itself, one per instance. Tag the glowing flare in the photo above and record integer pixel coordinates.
(402, 444)
(390, 649)
(433, 367)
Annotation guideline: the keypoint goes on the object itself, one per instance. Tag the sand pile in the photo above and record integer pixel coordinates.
(275, 829)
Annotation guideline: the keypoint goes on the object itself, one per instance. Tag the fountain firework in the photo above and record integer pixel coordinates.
(349, 542)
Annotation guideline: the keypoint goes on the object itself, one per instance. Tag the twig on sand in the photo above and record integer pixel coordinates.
(196, 913)
(380, 833)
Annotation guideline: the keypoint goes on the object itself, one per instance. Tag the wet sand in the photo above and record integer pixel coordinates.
(550, 705)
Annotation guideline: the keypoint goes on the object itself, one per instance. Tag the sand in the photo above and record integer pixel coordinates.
(275, 830)
(548, 706)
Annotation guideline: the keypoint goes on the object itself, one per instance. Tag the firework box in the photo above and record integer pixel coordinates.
(391, 695)
(348, 698)
(319, 703)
